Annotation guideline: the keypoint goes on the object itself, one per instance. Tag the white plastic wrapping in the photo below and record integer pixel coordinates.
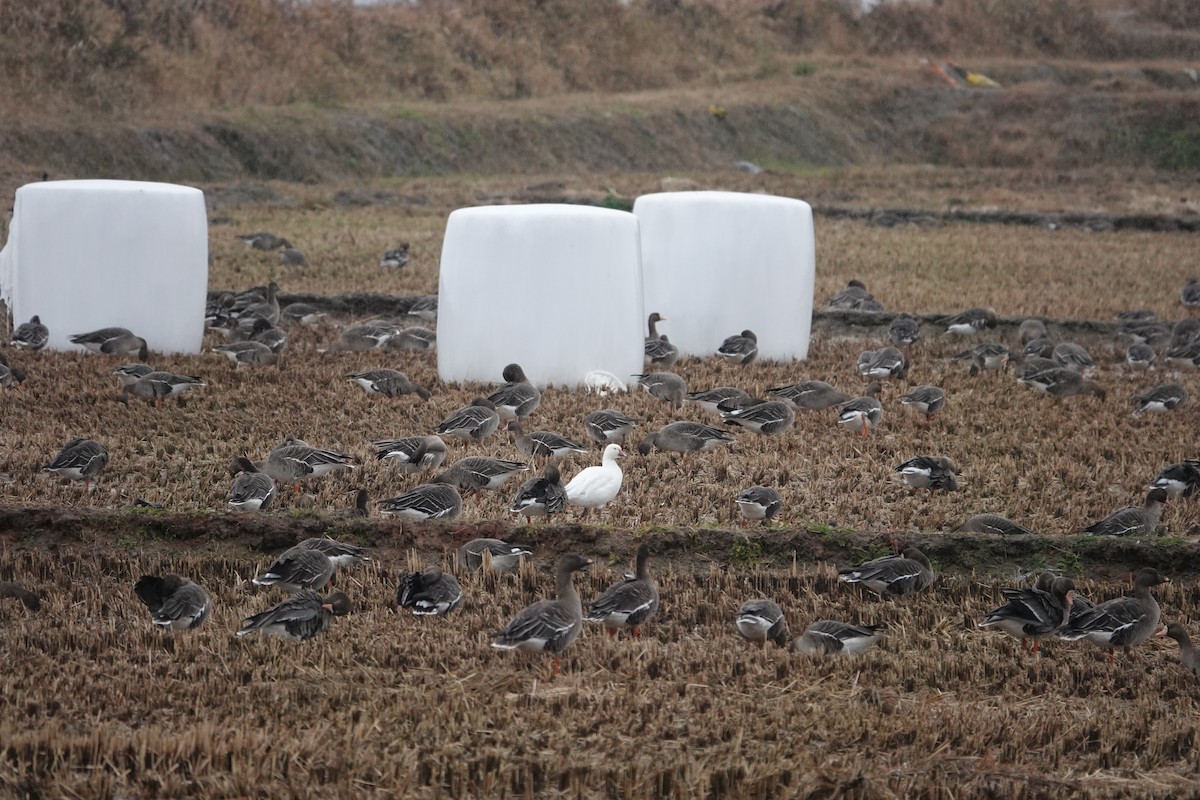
(91, 254)
(554, 288)
(717, 263)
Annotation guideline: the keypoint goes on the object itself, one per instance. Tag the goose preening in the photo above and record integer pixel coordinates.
(174, 602)
(762, 620)
(517, 398)
(252, 490)
(862, 414)
(430, 592)
(758, 503)
(501, 555)
(412, 453)
(829, 637)
(935, 473)
(543, 497)
(1031, 614)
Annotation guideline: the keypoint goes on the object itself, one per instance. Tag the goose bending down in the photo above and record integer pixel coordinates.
(387, 383)
(252, 490)
(395, 257)
(249, 353)
(927, 400)
(710, 400)
(480, 473)
(113, 342)
(991, 523)
(1031, 329)
(174, 602)
(685, 437)
(500, 554)
(518, 398)
(935, 473)
(128, 375)
(302, 616)
(862, 414)
(892, 576)
(548, 625)
(1189, 295)
(904, 331)
(430, 592)
(544, 496)
(79, 460)
(768, 418)
(1123, 622)
(740, 348)
(1179, 480)
(11, 376)
(293, 460)
(1187, 653)
(427, 501)
(298, 568)
(971, 321)
(412, 453)
(1042, 348)
(1140, 356)
(854, 297)
(761, 620)
(884, 364)
(666, 386)
(595, 487)
(608, 426)
(1031, 614)
(31, 335)
(158, 385)
(1063, 382)
(630, 603)
(29, 599)
(340, 554)
(986, 356)
(829, 637)
(1164, 397)
(474, 422)
(1072, 355)
(543, 444)
(759, 503)
(810, 395)
(366, 336)
(1132, 520)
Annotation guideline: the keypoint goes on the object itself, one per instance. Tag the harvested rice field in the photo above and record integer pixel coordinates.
(99, 703)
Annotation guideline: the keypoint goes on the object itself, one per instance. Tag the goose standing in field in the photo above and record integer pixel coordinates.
(854, 297)
(541, 497)
(302, 616)
(711, 399)
(412, 453)
(79, 460)
(1164, 397)
(294, 460)
(762, 620)
(1132, 520)
(1189, 295)
(1073, 355)
(395, 257)
(1187, 653)
(935, 473)
(862, 414)
(248, 353)
(174, 602)
(985, 356)
(829, 637)
(759, 503)
(544, 444)
(387, 383)
(666, 386)
(1141, 356)
(892, 576)
(904, 331)
(685, 437)
(252, 490)
(298, 568)
(659, 353)
(768, 418)
(474, 422)
(927, 400)
(1031, 614)
(810, 395)
(1123, 622)
(427, 501)
(29, 599)
(629, 603)
(430, 592)
(113, 342)
(159, 385)
(740, 348)
(595, 487)
(548, 625)
(31, 335)
(970, 322)
(266, 307)
(1179, 480)
(608, 426)
(885, 364)
(991, 523)
(518, 398)
(480, 473)
(502, 556)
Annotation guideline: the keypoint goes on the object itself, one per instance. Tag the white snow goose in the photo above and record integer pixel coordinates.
(595, 487)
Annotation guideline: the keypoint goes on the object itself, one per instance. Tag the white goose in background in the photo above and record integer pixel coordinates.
(595, 487)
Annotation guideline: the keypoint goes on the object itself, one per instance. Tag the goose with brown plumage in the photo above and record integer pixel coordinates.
(1123, 622)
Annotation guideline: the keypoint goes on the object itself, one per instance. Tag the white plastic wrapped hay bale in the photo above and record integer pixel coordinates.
(554, 288)
(92, 254)
(717, 263)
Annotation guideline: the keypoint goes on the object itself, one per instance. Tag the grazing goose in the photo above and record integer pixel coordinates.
(502, 556)
(1031, 369)
(935, 473)
(711, 399)
(480, 473)
(425, 307)
(174, 602)
(992, 523)
(412, 453)
(414, 339)
(548, 625)
(430, 592)
(685, 437)
(1123, 622)
(1189, 295)
(608, 426)
(252, 490)
(31, 335)
(1179, 480)
(904, 331)
(113, 342)
(29, 599)
(658, 351)
(854, 297)
(366, 336)
(1030, 614)
(740, 348)
(829, 637)
(761, 620)
(595, 487)
(340, 554)
(158, 385)
(518, 398)
(474, 422)
(630, 603)
(1063, 382)
(1187, 653)
(985, 356)
(543, 444)
(1164, 397)
(1140, 356)
(302, 616)
(884, 364)
(862, 414)
(1072, 355)
(1032, 329)
(1152, 333)
(892, 576)
(970, 322)
(810, 395)
(666, 386)
(79, 460)
(1042, 348)
(298, 568)
(293, 460)
(305, 314)
(541, 497)
(1132, 520)
(11, 376)
(387, 383)
(263, 240)
(248, 353)
(395, 257)
(760, 503)
(1136, 315)
(427, 501)
(769, 418)
(928, 400)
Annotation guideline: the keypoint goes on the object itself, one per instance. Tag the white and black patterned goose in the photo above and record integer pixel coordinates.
(79, 460)
(31, 335)
(544, 444)
(862, 414)
(252, 490)
(517, 398)
(829, 637)
(387, 383)
(629, 603)
(548, 626)
(1123, 622)
(543, 496)
(608, 426)
(113, 341)
(970, 322)
(174, 602)
(758, 503)
(1179, 480)
(685, 437)
(887, 363)
(1132, 520)
(892, 576)
(761, 620)
(810, 395)
(430, 592)
(904, 331)
(741, 348)
(474, 422)
(298, 618)
(412, 453)
(927, 400)
(1032, 614)
(1164, 397)
(768, 418)
(935, 473)
(297, 568)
